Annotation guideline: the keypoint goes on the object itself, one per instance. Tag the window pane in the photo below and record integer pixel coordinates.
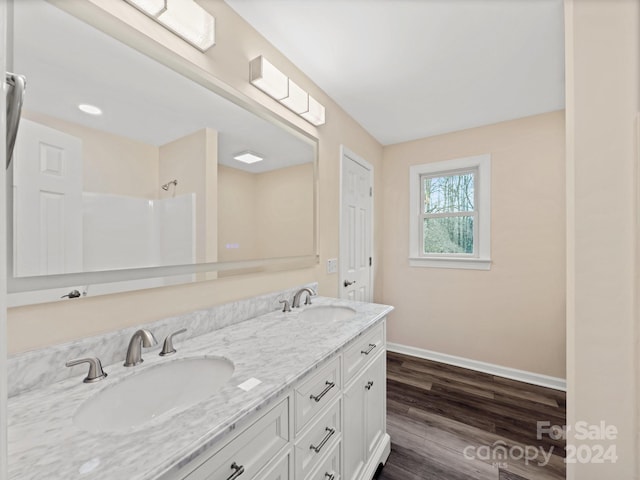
(448, 235)
(453, 193)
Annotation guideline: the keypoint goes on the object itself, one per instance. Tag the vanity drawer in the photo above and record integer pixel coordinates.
(251, 450)
(318, 391)
(280, 471)
(362, 350)
(320, 438)
(330, 468)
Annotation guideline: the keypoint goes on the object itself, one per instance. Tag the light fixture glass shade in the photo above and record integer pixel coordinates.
(189, 21)
(185, 18)
(268, 78)
(297, 100)
(150, 7)
(315, 114)
(248, 157)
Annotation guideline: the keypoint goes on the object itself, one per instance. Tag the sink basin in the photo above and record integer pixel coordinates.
(166, 388)
(327, 313)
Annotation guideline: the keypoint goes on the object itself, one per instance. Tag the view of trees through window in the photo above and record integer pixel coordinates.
(448, 214)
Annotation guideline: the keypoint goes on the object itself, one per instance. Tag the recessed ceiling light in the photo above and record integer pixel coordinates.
(90, 109)
(248, 157)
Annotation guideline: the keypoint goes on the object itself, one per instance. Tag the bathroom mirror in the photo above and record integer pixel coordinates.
(127, 174)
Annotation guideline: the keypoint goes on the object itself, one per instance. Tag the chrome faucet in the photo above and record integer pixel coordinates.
(142, 338)
(296, 298)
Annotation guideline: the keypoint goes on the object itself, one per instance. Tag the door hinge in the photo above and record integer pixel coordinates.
(369, 261)
(371, 191)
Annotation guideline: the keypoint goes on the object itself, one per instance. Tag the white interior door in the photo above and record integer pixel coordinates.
(47, 218)
(356, 218)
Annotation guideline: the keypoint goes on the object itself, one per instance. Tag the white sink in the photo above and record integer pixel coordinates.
(162, 389)
(327, 313)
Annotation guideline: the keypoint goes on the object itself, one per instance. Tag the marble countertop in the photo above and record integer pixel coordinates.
(276, 348)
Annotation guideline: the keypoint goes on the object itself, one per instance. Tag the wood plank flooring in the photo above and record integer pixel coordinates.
(450, 423)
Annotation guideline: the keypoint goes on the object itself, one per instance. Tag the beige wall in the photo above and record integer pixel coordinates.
(193, 161)
(283, 202)
(227, 64)
(266, 214)
(514, 314)
(237, 214)
(111, 163)
(603, 80)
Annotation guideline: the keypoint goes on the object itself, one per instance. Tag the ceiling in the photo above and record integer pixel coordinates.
(68, 62)
(408, 69)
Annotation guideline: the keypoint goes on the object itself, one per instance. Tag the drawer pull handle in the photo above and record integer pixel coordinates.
(330, 476)
(330, 431)
(239, 470)
(369, 385)
(371, 347)
(329, 386)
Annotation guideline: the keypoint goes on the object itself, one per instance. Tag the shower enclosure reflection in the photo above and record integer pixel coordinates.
(122, 163)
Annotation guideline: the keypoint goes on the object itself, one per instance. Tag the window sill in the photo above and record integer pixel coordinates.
(451, 262)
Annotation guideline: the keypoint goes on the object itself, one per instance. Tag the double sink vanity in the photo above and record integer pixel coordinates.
(264, 395)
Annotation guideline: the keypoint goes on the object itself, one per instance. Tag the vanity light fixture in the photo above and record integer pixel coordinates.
(248, 157)
(297, 100)
(185, 18)
(268, 78)
(315, 112)
(150, 7)
(89, 109)
(277, 85)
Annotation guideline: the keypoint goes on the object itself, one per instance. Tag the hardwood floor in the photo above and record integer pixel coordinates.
(450, 423)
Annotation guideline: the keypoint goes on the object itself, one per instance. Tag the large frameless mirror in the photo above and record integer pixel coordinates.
(127, 174)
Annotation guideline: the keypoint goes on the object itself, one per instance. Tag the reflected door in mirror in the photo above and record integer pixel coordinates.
(47, 187)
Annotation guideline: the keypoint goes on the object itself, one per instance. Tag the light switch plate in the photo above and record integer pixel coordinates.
(332, 265)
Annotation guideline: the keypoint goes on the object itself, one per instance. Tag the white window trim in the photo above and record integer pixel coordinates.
(482, 258)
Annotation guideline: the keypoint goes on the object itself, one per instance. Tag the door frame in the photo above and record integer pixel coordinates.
(345, 152)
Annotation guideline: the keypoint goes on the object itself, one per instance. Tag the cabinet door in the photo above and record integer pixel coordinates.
(353, 430)
(374, 404)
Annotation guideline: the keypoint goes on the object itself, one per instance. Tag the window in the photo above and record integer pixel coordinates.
(450, 213)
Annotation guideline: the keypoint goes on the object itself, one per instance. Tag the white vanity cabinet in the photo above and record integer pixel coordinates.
(365, 417)
(331, 425)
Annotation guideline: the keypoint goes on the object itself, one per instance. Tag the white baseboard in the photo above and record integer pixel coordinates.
(500, 371)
